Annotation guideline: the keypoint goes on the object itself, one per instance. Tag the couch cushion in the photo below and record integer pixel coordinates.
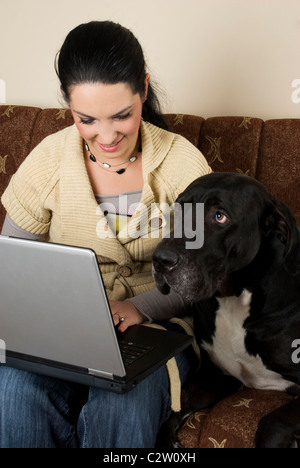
(50, 121)
(17, 125)
(186, 125)
(279, 161)
(233, 422)
(231, 144)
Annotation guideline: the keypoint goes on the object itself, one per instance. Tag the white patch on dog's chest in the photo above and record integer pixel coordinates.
(228, 350)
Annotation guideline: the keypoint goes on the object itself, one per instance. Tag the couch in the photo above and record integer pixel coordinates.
(267, 150)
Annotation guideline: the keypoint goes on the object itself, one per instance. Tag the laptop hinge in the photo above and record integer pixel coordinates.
(98, 373)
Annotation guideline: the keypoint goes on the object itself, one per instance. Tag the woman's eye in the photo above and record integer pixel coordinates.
(221, 218)
(123, 117)
(86, 121)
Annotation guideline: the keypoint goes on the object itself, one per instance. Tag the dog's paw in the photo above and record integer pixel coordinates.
(167, 436)
(165, 441)
(169, 443)
(177, 444)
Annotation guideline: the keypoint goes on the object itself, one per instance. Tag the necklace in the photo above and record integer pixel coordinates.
(107, 166)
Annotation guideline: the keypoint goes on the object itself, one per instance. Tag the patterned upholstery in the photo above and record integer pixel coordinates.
(268, 151)
(232, 423)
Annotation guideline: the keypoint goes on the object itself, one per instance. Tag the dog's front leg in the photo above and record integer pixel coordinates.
(279, 428)
(208, 386)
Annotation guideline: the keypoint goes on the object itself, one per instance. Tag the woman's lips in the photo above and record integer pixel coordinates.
(110, 148)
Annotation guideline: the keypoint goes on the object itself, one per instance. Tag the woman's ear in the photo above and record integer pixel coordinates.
(147, 81)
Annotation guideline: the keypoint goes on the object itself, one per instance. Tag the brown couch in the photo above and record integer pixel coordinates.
(268, 151)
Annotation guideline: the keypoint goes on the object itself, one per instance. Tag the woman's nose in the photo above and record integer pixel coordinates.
(107, 134)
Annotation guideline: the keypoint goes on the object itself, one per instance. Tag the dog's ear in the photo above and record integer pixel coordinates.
(281, 225)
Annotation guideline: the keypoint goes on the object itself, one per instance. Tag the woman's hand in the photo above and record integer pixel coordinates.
(125, 314)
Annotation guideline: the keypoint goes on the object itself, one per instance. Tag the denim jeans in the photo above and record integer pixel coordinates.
(38, 411)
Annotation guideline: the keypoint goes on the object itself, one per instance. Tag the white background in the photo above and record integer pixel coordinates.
(211, 57)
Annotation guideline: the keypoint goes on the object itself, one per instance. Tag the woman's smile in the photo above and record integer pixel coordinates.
(111, 148)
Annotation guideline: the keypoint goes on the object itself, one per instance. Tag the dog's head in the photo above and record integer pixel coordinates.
(240, 219)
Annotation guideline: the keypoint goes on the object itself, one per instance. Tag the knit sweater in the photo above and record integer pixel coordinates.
(51, 193)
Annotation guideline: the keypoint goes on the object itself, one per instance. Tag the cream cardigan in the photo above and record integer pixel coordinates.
(51, 192)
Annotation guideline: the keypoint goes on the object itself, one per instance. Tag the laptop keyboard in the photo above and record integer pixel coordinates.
(131, 351)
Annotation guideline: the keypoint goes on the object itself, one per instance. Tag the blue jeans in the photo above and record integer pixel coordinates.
(38, 411)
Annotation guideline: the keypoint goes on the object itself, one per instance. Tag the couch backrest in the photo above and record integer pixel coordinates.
(268, 151)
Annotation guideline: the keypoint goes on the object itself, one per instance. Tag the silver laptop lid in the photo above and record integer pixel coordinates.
(53, 305)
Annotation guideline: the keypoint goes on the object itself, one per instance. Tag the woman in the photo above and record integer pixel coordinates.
(118, 155)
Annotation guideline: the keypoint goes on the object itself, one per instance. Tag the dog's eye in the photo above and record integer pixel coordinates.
(221, 218)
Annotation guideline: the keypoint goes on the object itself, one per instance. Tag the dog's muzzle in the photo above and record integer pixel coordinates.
(165, 260)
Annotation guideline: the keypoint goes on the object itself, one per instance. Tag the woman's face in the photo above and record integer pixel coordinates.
(108, 118)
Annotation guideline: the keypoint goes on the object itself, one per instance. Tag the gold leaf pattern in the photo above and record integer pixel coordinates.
(9, 110)
(2, 164)
(246, 122)
(61, 114)
(178, 119)
(215, 149)
(216, 444)
(195, 416)
(242, 172)
(243, 402)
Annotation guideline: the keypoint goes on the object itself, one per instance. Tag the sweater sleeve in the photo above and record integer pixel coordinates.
(10, 228)
(156, 306)
(24, 198)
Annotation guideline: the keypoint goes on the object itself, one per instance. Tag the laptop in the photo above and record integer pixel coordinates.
(55, 320)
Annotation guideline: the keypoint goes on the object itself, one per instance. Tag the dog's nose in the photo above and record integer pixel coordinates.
(165, 260)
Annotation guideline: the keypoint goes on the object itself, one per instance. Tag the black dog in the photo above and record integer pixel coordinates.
(245, 286)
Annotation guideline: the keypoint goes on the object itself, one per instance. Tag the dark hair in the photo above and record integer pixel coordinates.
(106, 52)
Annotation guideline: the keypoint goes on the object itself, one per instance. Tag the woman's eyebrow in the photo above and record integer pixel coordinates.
(126, 109)
(83, 115)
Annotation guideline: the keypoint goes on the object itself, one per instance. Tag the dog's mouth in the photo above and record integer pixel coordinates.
(161, 282)
(190, 286)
